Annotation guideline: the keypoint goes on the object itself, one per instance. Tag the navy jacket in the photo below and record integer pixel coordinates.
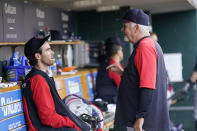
(60, 107)
(106, 88)
(157, 118)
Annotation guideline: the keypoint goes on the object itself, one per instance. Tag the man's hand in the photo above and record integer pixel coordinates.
(193, 77)
(115, 67)
(138, 124)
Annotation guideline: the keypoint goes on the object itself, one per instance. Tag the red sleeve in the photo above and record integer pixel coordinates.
(146, 63)
(45, 104)
(115, 77)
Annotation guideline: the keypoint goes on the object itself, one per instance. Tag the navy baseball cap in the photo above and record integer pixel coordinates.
(136, 16)
(32, 46)
(114, 40)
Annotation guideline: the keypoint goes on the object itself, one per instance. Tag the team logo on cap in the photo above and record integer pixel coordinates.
(134, 19)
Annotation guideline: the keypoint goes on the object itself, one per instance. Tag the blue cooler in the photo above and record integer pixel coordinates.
(16, 73)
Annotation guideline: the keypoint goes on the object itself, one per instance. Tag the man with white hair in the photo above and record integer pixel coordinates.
(142, 103)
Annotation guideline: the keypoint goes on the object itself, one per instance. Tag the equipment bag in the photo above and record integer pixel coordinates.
(84, 109)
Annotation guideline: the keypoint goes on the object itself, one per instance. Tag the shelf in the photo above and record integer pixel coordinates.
(66, 43)
(52, 43)
(78, 73)
(2, 90)
(11, 43)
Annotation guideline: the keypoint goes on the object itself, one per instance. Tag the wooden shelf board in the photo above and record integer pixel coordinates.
(52, 43)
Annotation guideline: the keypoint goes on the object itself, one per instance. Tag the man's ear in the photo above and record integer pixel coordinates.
(137, 28)
(118, 52)
(37, 56)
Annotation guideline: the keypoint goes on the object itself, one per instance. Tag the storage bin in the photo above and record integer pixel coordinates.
(16, 73)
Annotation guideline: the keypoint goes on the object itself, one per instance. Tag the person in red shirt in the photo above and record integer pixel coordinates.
(44, 110)
(141, 103)
(107, 81)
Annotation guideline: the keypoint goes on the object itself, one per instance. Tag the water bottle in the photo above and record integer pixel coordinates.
(14, 60)
(59, 64)
(53, 69)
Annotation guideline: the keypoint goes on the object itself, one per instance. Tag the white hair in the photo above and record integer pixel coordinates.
(143, 28)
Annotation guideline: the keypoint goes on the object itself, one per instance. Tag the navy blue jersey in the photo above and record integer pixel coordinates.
(157, 116)
(31, 109)
(106, 88)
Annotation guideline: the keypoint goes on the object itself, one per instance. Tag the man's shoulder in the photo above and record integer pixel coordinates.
(147, 42)
(36, 74)
(147, 45)
(37, 77)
